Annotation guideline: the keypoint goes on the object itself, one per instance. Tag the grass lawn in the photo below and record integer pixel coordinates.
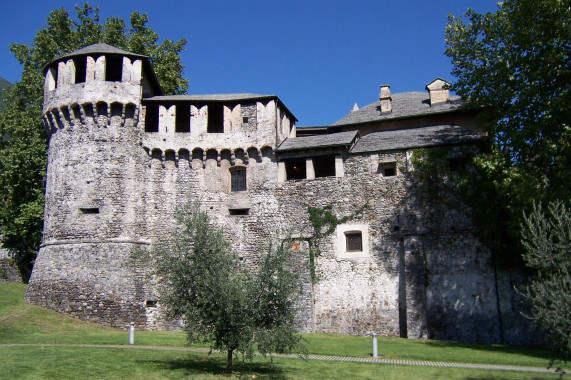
(22, 323)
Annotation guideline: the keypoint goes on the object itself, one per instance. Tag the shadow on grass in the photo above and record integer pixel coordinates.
(193, 366)
(536, 352)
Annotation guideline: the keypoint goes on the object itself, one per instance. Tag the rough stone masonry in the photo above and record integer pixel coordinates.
(122, 155)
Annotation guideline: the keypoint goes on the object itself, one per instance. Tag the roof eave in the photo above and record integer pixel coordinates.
(412, 116)
(440, 144)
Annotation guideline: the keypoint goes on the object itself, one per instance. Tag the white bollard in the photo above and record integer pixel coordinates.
(132, 333)
(375, 352)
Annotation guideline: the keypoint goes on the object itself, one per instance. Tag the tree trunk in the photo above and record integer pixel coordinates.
(229, 362)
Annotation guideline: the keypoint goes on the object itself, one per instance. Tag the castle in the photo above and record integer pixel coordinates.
(122, 155)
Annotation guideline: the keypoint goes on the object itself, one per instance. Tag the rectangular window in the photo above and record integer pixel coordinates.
(113, 68)
(151, 118)
(354, 241)
(295, 168)
(215, 118)
(239, 211)
(182, 123)
(388, 169)
(457, 164)
(80, 69)
(238, 177)
(324, 166)
(89, 210)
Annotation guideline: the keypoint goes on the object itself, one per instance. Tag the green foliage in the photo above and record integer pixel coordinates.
(324, 223)
(22, 164)
(220, 302)
(514, 67)
(63, 34)
(4, 85)
(547, 241)
(23, 141)
(471, 182)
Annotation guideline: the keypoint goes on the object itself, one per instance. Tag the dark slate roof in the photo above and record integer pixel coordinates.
(320, 141)
(219, 98)
(416, 138)
(406, 104)
(98, 49)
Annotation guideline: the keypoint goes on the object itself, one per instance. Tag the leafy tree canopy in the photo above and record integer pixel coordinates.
(514, 66)
(221, 302)
(547, 242)
(4, 84)
(23, 142)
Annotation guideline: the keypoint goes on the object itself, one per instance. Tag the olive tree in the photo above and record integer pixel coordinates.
(547, 240)
(221, 302)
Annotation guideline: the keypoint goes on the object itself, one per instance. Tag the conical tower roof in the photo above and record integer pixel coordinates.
(97, 49)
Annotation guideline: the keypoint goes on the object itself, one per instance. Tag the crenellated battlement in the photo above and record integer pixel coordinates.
(88, 68)
(97, 85)
(100, 114)
(198, 157)
(229, 121)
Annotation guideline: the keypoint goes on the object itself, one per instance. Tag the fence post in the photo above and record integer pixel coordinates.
(132, 333)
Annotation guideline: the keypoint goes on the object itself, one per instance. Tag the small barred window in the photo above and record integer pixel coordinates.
(238, 177)
(354, 241)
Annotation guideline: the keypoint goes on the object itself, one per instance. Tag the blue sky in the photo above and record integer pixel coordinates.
(319, 57)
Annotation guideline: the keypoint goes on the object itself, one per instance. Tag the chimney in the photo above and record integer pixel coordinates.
(385, 98)
(438, 90)
(355, 108)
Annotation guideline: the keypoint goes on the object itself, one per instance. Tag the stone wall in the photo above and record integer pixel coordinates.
(8, 270)
(98, 282)
(423, 273)
(111, 189)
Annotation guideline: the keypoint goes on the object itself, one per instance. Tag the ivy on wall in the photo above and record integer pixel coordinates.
(324, 222)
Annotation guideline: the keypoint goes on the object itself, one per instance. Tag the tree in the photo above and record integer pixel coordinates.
(514, 67)
(23, 142)
(4, 84)
(547, 242)
(221, 302)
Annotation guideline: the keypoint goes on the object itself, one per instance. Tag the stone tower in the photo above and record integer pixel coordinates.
(399, 261)
(94, 210)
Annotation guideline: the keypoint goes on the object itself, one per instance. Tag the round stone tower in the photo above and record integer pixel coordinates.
(94, 210)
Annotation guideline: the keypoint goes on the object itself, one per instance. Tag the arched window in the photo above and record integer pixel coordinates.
(238, 179)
